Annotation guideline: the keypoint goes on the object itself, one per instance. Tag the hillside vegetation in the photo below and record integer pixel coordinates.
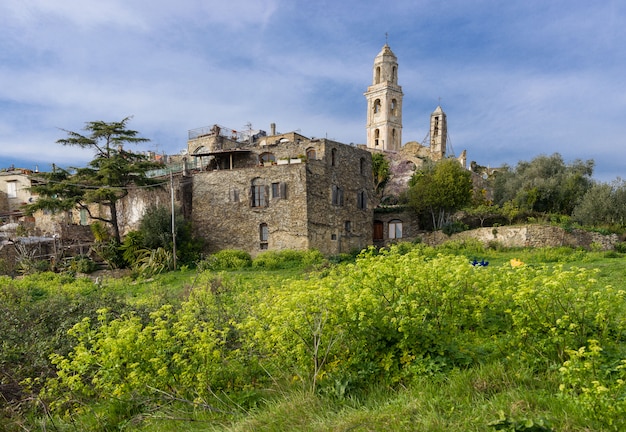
(405, 338)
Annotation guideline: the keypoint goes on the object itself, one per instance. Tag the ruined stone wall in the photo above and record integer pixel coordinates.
(132, 208)
(529, 236)
(222, 213)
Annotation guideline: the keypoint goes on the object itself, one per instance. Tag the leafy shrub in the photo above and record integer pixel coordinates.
(559, 254)
(132, 247)
(156, 232)
(227, 259)
(454, 227)
(597, 384)
(109, 252)
(152, 262)
(620, 247)
(273, 260)
(468, 247)
(81, 264)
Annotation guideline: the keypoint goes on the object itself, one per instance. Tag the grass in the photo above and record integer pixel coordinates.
(504, 392)
(463, 400)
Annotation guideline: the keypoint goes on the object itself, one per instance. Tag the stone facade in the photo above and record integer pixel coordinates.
(14, 192)
(257, 192)
(394, 224)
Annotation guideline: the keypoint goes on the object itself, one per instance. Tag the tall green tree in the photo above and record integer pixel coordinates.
(603, 204)
(440, 189)
(105, 181)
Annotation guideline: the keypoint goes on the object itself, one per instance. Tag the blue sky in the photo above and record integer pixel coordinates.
(516, 78)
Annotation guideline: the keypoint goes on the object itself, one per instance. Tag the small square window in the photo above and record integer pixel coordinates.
(333, 236)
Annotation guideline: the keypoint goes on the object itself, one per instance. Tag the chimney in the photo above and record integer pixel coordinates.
(272, 129)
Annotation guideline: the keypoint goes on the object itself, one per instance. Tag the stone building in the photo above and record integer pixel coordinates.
(258, 192)
(14, 193)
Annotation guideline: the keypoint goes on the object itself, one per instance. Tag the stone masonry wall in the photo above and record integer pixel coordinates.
(529, 236)
(222, 213)
(340, 227)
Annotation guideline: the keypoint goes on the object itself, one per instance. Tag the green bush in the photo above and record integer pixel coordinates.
(454, 227)
(227, 259)
(273, 260)
(81, 264)
(620, 247)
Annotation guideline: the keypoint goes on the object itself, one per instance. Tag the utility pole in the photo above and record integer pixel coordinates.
(173, 220)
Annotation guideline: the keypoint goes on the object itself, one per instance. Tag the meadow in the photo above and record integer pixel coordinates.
(457, 337)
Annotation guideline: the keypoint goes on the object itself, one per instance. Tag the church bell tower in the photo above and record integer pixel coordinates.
(384, 104)
(438, 133)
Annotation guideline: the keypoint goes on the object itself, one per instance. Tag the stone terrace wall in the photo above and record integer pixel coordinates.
(528, 236)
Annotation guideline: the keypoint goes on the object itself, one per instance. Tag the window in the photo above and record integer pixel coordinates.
(376, 106)
(347, 226)
(337, 196)
(267, 158)
(436, 129)
(394, 107)
(361, 200)
(377, 75)
(12, 189)
(279, 190)
(333, 157)
(362, 166)
(83, 217)
(233, 195)
(264, 234)
(394, 137)
(376, 136)
(311, 154)
(394, 75)
(395, 229)
(258, 194)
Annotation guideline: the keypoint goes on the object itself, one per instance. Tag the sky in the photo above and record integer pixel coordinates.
(517, 79)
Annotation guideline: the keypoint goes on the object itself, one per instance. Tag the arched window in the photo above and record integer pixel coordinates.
(376, 136)
(267, 157)
(394, 75)
(311, 154)
(377, 75)
(394, 107)
(376, 106)
(264, 235)
(395, 229)
(333, 157)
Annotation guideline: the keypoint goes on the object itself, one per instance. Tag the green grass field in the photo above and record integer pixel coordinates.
(413, 338)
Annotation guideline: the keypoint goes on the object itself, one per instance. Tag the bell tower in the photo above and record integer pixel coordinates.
(384, 104)
(438, 133)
